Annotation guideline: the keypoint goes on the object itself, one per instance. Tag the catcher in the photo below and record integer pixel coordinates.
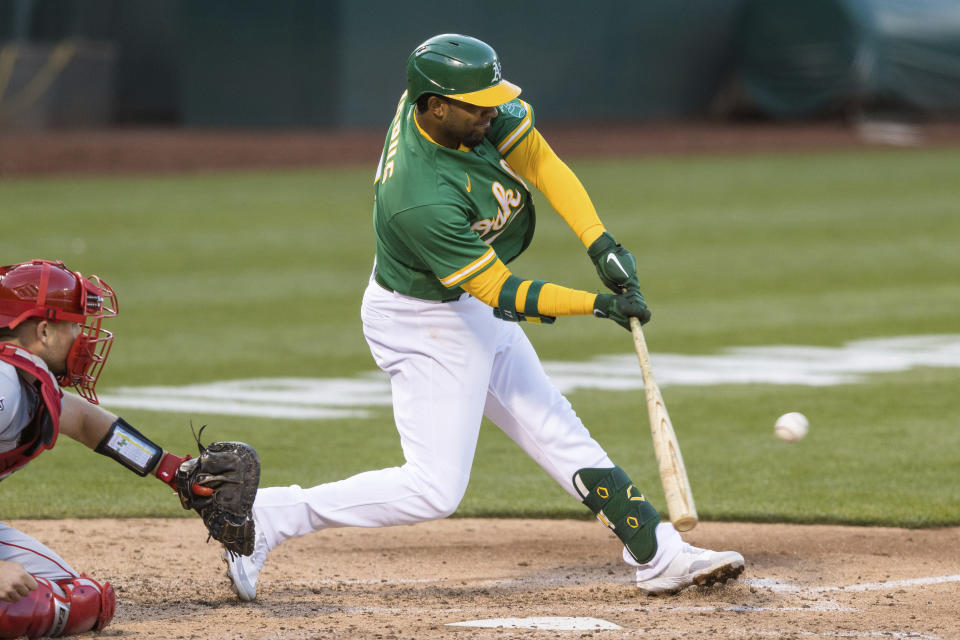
(50, 337)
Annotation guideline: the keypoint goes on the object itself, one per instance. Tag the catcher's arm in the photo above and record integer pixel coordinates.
(112, 436)
(220, 485)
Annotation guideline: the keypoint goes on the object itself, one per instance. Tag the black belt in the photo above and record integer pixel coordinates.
(383, 285)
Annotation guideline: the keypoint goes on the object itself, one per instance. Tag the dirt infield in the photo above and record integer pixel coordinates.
(415, 582)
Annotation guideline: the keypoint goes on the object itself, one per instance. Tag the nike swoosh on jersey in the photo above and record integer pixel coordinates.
(468, 182)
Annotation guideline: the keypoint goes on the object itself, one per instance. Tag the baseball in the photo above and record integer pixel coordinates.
(791, 426)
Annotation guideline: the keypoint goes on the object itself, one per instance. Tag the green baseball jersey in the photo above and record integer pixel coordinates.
(443, 215)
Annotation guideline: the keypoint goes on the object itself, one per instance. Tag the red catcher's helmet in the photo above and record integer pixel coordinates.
(48, 290)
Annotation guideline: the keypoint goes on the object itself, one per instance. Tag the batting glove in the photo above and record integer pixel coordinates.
(621, 307)
(615, 265)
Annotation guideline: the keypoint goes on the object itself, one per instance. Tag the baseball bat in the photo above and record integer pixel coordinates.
(673, 475)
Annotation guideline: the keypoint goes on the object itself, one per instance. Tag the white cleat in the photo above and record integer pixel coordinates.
(243, 571)
(694, 566)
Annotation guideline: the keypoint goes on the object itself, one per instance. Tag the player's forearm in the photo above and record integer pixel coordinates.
(535, 161)
(556, 300)
(84, 422)
(109, 435)
(548, 300)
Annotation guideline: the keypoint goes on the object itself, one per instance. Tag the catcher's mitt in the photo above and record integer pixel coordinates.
(221, 485)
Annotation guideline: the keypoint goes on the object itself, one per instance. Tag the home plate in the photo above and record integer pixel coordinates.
(552, 623)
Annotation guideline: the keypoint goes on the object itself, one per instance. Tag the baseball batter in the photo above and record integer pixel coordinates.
(51, 336)
(452, 208)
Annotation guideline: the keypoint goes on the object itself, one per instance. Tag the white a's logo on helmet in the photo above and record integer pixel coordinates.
(497, 76)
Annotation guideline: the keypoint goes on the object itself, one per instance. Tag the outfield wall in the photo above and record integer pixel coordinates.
(335, 64)
(340, 64)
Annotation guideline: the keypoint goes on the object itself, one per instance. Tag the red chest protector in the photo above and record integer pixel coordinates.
(42, 431)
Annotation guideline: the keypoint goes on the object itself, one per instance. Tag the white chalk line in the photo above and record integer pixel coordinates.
(896, 635)
(816, 607)
(551, 623)
(579, 623)
(377, 581)
(360, 396)
(785, 587)
(794, 633)
(763, 583)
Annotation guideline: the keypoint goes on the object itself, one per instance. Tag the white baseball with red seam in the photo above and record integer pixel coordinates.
(791, 426)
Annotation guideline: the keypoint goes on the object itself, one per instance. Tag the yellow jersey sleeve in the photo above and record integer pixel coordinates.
(553, 300)
(533, 159)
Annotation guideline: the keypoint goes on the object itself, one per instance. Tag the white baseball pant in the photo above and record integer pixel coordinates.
(450, 364)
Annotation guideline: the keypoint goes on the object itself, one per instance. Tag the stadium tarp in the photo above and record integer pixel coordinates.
(807, 57)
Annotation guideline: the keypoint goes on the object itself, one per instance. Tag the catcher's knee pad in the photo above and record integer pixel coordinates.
(85, 605)
(619, 505)
(35, 614)
(91, 604)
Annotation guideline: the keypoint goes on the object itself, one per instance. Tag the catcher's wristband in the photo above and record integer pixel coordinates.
(130, 448)
(167, 469)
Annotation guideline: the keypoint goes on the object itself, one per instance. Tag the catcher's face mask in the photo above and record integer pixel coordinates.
(48, 290)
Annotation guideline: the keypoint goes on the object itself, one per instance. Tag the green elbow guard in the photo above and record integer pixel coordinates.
(611, 496)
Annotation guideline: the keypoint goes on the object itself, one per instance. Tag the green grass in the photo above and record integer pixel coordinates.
(236, 275)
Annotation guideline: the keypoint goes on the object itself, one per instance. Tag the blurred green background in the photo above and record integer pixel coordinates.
(225, 276)
(338, 64)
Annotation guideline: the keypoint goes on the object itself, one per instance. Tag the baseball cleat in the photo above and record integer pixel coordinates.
(243, 571)
(694, 566)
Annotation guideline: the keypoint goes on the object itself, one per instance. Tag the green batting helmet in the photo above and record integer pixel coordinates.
(458, 67)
